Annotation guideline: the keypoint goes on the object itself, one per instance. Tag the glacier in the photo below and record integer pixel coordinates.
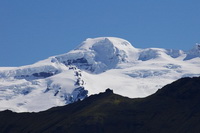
(95, 65)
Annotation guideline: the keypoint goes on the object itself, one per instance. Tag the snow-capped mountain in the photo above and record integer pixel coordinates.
(97, 64)
(100, 54)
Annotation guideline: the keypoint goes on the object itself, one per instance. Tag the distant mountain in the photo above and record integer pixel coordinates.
(96, 64)
(172, 109)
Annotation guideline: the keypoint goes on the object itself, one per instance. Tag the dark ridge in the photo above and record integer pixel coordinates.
(172, 109)
(185, 88)
(39, 75)
(43, 74)
(78, 62)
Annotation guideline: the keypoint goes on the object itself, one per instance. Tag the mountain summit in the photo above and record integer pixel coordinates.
(100, 54)
(96, 64)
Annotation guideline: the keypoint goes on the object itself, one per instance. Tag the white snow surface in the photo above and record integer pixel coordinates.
(100, 54)
(95, 65)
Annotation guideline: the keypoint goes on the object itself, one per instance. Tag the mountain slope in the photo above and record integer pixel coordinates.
(174, 108)
(96, 64)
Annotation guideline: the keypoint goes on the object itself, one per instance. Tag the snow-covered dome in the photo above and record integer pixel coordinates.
(119, 43)
(99, 54)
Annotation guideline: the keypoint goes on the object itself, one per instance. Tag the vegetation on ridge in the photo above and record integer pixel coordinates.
(174, 108)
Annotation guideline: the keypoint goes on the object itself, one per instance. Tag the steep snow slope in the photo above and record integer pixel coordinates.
(40, 86)
(95, 65)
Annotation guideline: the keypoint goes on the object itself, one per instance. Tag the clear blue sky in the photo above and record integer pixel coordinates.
(32, 30)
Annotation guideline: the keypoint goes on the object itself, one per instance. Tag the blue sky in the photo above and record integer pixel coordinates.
(32, 30)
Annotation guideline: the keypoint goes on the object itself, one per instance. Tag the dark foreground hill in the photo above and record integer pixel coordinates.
(173, 109)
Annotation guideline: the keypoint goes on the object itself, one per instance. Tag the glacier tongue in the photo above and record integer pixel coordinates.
(95, 65)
